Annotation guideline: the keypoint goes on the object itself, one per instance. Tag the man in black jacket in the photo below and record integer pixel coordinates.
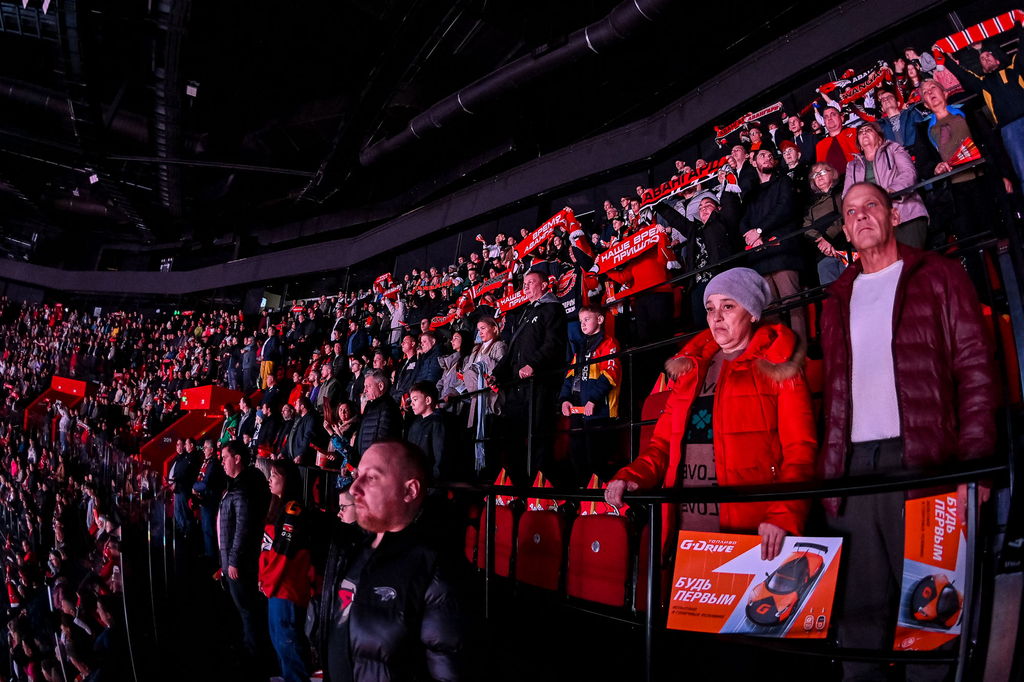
(242, 511)
(537, 347)
(771, 216)
(381, 416)
(405, 372)
(390, 609)
(209, 487)
(298, 445)
(270, 356)
(246, 419)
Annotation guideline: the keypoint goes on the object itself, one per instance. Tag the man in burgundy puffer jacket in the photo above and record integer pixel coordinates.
(909, 384)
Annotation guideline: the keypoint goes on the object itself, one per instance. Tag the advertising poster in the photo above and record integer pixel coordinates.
(722, 585)
(934, 561)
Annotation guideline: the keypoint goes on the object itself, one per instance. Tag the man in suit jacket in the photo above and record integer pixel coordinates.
(298, 445)
(247, 420)
(271, 394)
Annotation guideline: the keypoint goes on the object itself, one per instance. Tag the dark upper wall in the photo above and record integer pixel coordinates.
(780, 62)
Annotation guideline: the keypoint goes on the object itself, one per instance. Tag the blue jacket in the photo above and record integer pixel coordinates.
(909, 118)
(358, 344)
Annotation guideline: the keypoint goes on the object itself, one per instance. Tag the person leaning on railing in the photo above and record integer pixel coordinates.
(739, 414)
(909, 384)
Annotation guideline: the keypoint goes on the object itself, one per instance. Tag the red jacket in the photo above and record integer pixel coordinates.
(847, 142)
(945, 379)
(763, 427)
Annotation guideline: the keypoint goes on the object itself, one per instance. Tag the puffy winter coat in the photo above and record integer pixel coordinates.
(763, 429)
(894, 170)
(945, 380)
(406, 622)
(242, 510)
(381, 419)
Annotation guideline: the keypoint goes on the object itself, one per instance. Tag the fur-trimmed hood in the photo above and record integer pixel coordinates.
(775, 351)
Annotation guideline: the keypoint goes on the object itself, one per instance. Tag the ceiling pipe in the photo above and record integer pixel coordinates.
(124, 123)
(597, 38)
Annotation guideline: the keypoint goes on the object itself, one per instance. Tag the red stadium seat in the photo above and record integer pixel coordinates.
(598, 568)
(503, 532)
(539, 549)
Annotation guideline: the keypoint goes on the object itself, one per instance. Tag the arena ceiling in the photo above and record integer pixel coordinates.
(138, 124)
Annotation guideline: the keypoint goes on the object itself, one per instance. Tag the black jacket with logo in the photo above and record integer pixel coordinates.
(539, 339)
(406, 622)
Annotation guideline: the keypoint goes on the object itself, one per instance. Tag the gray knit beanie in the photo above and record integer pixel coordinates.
(744, 286)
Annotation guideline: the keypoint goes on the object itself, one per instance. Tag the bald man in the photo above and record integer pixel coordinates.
(389, 606)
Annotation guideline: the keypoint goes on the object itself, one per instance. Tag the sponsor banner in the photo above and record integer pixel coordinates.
(934, 563)
(677, 184)
(722, 585)
(722, 133)
(543, 233)
(629, 248)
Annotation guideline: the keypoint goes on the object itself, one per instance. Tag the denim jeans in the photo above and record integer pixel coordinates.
(246, 596)
(1013, 141)
(576, 340)
(182, 514)
(209, 520)
(829, 270)
(289, 639)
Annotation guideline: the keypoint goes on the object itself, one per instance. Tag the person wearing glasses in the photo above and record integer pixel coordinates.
(823, 222)
(898, 125)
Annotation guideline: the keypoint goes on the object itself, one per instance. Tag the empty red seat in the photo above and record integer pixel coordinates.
(539, 549)
(503, 532)
(598, 568)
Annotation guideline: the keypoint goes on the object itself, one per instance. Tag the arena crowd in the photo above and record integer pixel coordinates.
(457, 373)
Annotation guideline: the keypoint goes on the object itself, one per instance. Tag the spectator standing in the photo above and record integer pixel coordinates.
(271, 354)
(723, 375)
(804, 141)
(390, 559)
(746, 175)
(479, 365)
(246, 419)
(405, 372)
(229, 429)
(358, 344)
(537, 347)
(285, 570)
(209, 487)
(431, 431)
(823, 222)
(242, 510)
(595, 389)
(840, 144)
(889, 166)
(249, 352)
(898, 125)
(298, 446)
(1000, 84)
(428, 365)
(381, 416)
(181, 477)
(771, 216)
(331, 390)
(909, 384)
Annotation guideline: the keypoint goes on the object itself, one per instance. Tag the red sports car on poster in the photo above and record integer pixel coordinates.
(774, 600)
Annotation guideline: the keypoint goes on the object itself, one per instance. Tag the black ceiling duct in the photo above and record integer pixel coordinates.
(597, 38)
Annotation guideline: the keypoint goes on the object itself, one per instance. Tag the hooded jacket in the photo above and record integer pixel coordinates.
(763, 429)
(894, 170)
(406, 622)
(942, 363)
